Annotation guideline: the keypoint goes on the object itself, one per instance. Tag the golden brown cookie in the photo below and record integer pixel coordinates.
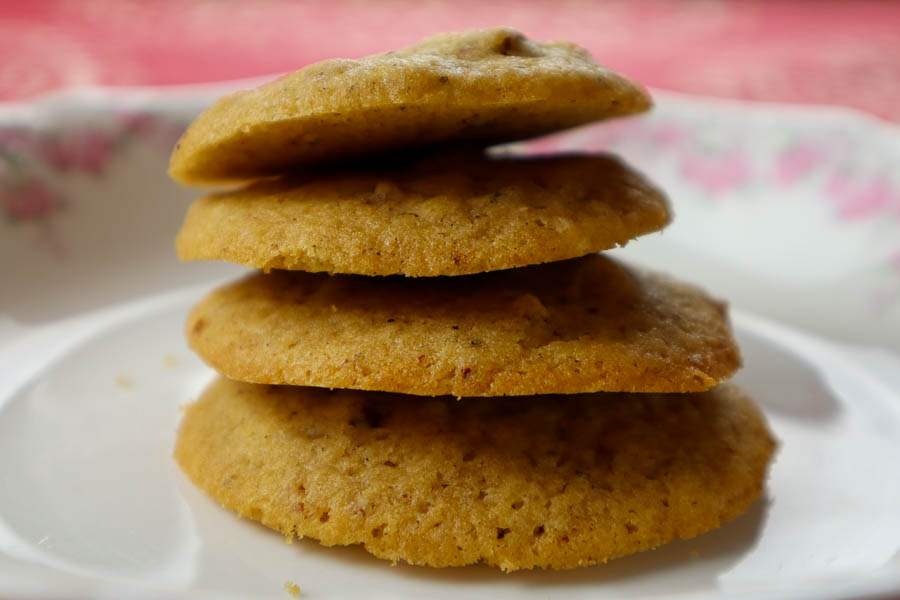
(523, 482)
(445, 216)
(480, 87)
(583, 325)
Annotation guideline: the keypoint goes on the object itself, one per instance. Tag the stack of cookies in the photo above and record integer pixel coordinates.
(434, 361)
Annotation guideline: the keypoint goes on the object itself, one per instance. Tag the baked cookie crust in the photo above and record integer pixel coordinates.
(584, 325)
(553, 482)
(479, 87)
(447, 215)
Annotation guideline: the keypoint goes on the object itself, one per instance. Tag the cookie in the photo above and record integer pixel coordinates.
(476, 87)
(445, 216)
(583, 325)
(519, 482)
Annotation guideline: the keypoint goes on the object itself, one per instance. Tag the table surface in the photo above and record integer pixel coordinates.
(827, 52)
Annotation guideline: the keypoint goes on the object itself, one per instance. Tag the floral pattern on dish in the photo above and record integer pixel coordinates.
(30, 158)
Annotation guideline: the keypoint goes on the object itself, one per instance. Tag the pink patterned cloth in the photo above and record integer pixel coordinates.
(824, 52)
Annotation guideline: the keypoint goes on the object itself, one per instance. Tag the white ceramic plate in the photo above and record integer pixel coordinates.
(92, 504)
(793, 214)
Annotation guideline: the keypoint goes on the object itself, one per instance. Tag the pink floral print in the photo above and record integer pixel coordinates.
(23, 194)
(796, 162)
(862, 198)
(83, 151)
(30, 201)
(716, 173)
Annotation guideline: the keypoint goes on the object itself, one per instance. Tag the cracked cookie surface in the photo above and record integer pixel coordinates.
(583, 325)
(554, 482)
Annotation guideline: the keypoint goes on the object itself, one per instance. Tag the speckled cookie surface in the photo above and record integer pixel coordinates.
(583, 325)
(524, 482)
(444, 216)
(483, 87)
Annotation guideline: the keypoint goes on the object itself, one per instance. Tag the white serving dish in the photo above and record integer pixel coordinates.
(791, 213)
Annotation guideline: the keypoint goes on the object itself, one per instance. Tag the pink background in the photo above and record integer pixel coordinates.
(824, 52)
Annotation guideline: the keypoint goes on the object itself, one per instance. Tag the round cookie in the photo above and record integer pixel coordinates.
(478, 87)
(553, 482)
(449, 215)
(582, 325)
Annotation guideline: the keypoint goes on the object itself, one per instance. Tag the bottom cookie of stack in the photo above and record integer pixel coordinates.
(516, 482)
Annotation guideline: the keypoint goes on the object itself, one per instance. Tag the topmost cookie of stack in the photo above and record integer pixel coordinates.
(479, 87)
